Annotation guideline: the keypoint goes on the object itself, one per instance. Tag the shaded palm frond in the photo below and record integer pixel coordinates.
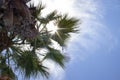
(56, 56)
(29, 64)
(50, 17)
(36, 10)
(41, 41)
(53, 16)
(6, 70)
(60, 37)
(43, 20)
(39, 8)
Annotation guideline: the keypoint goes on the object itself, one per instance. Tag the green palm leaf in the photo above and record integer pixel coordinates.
(41, 41)
(56, 56)
(50, 17)
(67, 24)
(53, 16)
(6, 70)
(28, 63)
(65, 27)
(36, 11)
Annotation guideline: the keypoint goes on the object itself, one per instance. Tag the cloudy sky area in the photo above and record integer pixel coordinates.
(94, 51)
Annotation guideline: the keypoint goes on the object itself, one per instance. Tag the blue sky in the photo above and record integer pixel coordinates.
(100, 61)
(94, 52)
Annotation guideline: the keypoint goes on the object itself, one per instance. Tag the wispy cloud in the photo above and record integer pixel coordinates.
(94, 34)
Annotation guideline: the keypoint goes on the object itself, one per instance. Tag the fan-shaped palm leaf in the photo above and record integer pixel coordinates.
(28, 63)
(65, 27)
(40, 41)
(50, 17)
(36, 11)
(56, 56)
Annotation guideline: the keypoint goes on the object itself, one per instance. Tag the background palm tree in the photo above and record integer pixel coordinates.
(24, 33)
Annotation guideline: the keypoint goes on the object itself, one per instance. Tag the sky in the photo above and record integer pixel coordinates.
(94, 52)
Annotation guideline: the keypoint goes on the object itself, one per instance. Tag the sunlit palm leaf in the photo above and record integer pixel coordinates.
(65, 27)
(60, 37)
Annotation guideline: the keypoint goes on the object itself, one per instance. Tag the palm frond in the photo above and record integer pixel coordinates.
(50, 17)
(43, 20)
(36, 10)
(29, 64)
(53, 16)
(6, 70)
(39, 8)
(65, 27)
(56, 56)
(41, 41)
(60, 37)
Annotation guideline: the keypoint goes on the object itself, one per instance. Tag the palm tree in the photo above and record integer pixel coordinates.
(24, 33)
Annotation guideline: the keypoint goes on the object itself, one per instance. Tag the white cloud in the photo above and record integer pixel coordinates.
(94, 34)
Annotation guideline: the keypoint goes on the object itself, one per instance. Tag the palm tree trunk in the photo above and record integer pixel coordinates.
(5, 78)
(5, 41)
(23, 9)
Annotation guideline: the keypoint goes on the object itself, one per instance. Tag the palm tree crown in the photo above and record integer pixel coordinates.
(24, 33)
